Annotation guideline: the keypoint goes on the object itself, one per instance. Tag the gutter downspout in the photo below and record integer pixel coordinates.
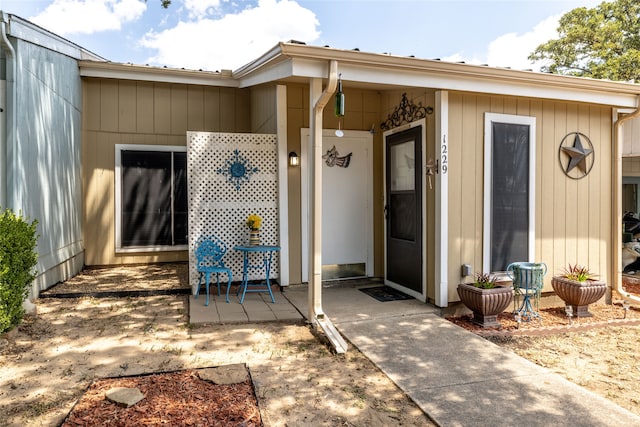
(316, 314)
(617, 202)
(7, 138)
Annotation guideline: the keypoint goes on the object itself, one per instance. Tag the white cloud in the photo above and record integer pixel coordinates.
(200, 8)
(88, 16)
(457, 57)
(233, 40)
(512, 49)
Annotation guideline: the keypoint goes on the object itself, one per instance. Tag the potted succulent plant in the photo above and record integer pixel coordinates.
(485, 299)
(578, 287)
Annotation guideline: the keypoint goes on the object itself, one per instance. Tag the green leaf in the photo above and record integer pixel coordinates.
(602, 42)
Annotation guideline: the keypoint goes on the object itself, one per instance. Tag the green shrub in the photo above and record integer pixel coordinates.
(17, 259)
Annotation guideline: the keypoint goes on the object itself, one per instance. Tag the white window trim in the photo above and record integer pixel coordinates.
(118, 193)
(490, 118)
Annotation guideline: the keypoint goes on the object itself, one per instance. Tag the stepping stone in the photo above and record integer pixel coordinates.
(123, 396)
(230, 374)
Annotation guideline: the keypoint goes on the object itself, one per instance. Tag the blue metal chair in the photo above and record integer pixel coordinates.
(209, 254)
(528, 280)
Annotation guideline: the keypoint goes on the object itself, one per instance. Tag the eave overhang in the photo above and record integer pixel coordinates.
(292, 61)
(115, 70)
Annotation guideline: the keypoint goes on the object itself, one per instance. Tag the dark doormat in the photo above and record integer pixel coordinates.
(385, 293)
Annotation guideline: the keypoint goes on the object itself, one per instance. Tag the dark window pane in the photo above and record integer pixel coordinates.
(402, 216)
(510, 195)
(146, 198)
(180, 201)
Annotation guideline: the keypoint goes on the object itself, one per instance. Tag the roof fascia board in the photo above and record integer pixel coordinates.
(273, 54)
(459, 69)
(486, 84)
(305, 68)
(270, 73)
(25, 30)
(110, 70)
(311, 61)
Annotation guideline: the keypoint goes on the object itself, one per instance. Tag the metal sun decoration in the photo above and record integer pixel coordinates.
(237, 169)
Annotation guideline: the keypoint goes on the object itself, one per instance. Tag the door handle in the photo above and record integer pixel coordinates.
(386, 211)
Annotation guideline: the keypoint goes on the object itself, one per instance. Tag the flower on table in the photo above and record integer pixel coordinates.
(254, 221)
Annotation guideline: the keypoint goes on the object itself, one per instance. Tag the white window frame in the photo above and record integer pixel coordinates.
(118, 193)
(490, 118)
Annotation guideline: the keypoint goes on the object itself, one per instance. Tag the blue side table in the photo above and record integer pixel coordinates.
(267, 256)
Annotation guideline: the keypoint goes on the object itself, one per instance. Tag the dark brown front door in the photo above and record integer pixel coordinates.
(403, 210)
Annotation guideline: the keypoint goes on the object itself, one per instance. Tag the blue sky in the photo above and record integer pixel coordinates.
(226, 34)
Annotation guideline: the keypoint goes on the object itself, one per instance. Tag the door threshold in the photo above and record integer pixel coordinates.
(351, 282)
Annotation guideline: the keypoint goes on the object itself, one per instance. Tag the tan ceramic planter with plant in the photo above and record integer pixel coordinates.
(577, 294)
(485, 304)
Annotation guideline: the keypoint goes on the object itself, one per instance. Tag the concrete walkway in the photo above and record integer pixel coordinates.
(456, 377)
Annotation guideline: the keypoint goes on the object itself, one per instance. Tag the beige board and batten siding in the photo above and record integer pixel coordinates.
(631, 139)
(630, 163)
(147, 113)
(572, 217)
(264, 118)
(631, 166)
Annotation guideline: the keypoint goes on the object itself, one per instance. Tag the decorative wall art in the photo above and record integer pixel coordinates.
(576, 155)
(332, 158)
(237, 169)
(406, 112)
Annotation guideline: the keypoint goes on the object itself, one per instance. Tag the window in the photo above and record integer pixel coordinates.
(630, 199)
(151, 198)
(509, 182)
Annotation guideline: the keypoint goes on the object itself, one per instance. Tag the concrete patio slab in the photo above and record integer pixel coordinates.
(257, 307)
(348, 303)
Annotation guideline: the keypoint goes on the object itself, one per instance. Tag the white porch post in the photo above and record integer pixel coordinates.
(315, 202)
(283, 200)
(442, 200)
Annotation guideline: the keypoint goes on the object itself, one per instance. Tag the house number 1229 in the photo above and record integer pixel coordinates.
(444, 155)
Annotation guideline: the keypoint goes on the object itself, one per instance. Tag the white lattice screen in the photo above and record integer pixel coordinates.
(231, 176)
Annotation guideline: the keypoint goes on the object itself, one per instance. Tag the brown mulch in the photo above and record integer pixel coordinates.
(631, 285)
(176, 398)
(554, 320)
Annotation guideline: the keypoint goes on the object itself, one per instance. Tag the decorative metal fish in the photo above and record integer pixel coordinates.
(332, 158)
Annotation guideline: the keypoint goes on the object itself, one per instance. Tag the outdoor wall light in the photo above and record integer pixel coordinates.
(294, 160)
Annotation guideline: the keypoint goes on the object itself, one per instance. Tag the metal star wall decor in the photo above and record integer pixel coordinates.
(577, 150)
(237, 169)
